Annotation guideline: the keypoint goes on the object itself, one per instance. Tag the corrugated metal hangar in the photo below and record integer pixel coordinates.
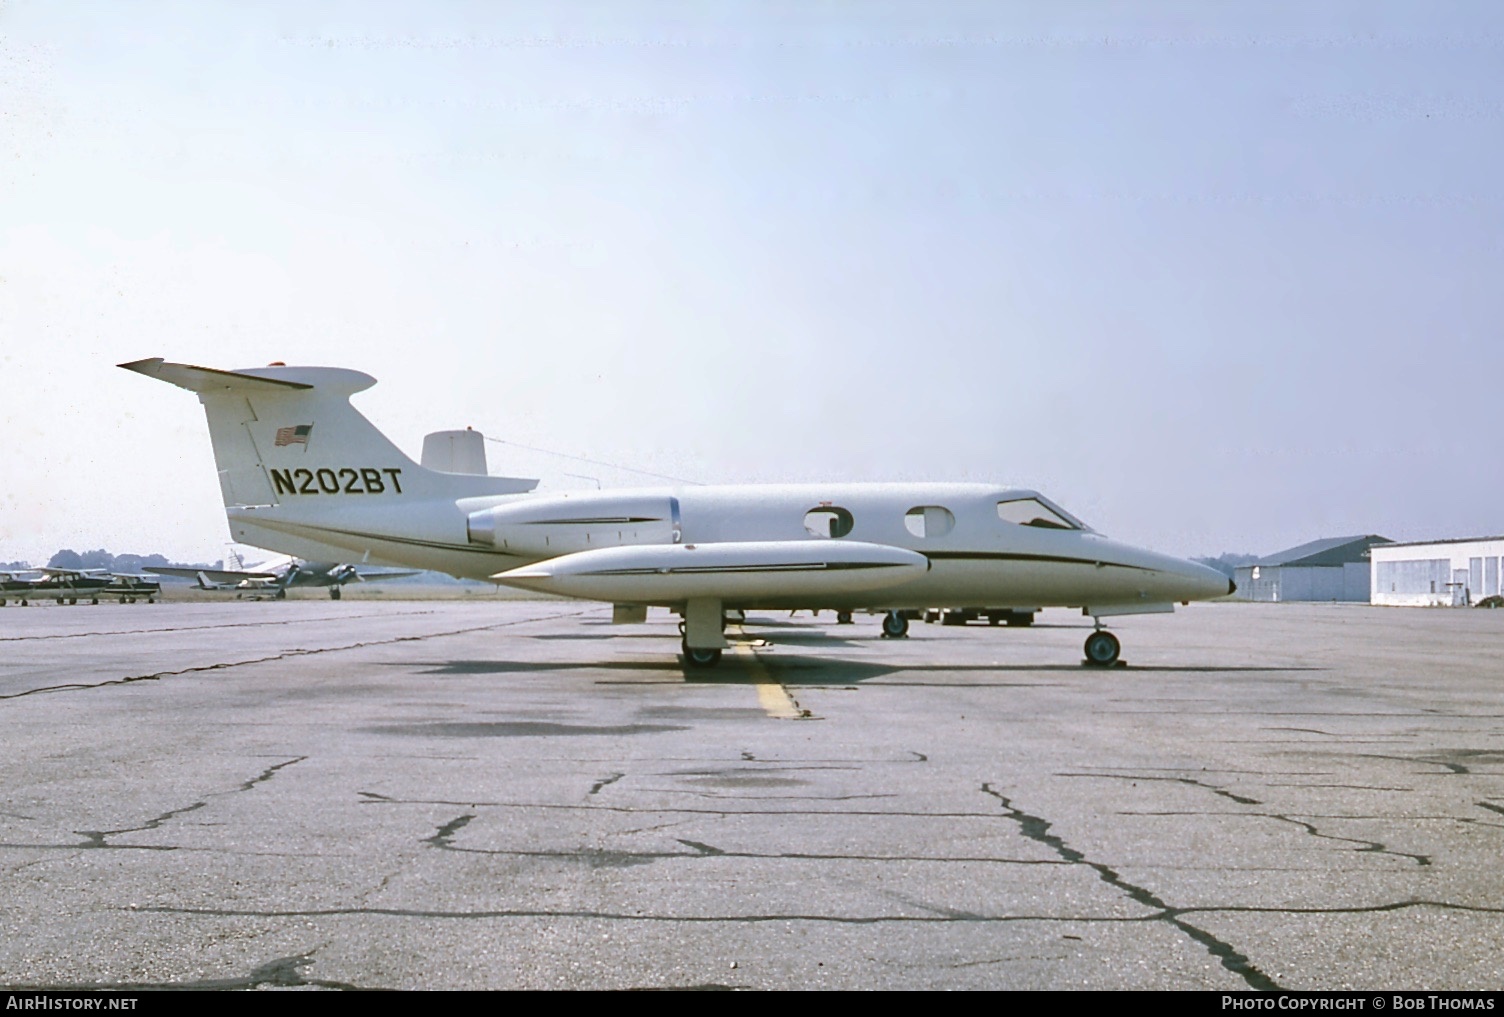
(1438, 573)
(1336, 568)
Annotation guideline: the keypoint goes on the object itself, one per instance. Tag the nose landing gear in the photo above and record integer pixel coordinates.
(1102, 648)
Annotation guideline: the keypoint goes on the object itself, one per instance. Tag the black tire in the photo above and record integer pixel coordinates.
(1102, 648)
(699, 657)
(843, 617)
(1022, 620)
(334, 593)
(895, 625)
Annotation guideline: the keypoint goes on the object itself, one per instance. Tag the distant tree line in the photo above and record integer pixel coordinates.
(102, 559)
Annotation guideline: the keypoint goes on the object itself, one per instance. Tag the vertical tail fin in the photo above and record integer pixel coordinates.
(286, 434)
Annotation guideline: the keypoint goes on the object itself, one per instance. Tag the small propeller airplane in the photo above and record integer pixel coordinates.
(69, 586)
(276, 576)
(303, 472)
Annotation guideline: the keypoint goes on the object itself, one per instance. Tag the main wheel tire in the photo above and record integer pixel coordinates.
(1102, 648)
(334, 593)
(695, 657)
(895, 625)
(843, 617)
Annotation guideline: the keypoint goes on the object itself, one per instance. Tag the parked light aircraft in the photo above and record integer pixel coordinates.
(17, 585)
(69, 586)
(275, 576)
(302, 471)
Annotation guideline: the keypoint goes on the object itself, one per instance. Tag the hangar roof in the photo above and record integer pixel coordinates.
(1449, 540)
(1331, 551)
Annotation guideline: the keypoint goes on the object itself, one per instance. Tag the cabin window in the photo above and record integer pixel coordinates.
(828, 521)
(1032, 512)
(929, 521)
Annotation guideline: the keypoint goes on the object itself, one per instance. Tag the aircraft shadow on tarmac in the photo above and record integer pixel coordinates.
(805, 670)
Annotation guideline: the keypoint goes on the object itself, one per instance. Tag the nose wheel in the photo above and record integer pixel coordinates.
(895, 625)
(1102, 648)
(700, 657)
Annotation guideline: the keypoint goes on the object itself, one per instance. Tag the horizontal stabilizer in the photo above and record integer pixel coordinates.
(207, 379)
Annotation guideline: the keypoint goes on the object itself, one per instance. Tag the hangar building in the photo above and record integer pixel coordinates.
(1332, 569)
(1438, 573)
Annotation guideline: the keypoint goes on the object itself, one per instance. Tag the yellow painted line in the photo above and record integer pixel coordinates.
(771, 696)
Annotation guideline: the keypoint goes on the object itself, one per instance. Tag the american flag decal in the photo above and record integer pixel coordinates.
(294, 435)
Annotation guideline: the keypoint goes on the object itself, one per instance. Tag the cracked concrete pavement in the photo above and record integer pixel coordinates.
(521, 795)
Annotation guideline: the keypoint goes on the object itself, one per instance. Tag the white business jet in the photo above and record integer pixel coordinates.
(303, 472)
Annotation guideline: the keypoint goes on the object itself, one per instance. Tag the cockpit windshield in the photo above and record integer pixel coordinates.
(1030, 510)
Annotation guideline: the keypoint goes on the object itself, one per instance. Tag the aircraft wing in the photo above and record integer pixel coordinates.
(66, 573)
(371, 577)
(212, 575)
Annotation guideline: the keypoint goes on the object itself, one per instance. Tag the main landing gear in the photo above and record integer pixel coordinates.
(895, 625)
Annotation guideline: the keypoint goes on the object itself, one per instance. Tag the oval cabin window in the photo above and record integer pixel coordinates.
(828, 522)
(929, 521)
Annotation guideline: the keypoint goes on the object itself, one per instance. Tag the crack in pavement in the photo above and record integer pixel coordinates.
(1366, 846)
(599, 858)
(72, 686)
(723, 796)
(604, 782)
(1171, 915)
(213, 628)
(1037, 829)
(282, 973)
(98, 838)
(1369, 846)
(445, 835)
(1456, 768)
(1188, 781)
(676, 809)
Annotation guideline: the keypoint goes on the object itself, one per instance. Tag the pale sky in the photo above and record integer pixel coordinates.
(1215, 277)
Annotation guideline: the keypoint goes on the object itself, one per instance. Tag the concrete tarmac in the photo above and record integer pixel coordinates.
(520, 795)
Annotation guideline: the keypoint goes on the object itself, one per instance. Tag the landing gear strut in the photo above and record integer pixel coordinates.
(334, 593)
(703, 628)
(895, 625)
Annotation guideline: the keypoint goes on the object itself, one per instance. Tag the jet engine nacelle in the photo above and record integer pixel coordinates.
(545, 527)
